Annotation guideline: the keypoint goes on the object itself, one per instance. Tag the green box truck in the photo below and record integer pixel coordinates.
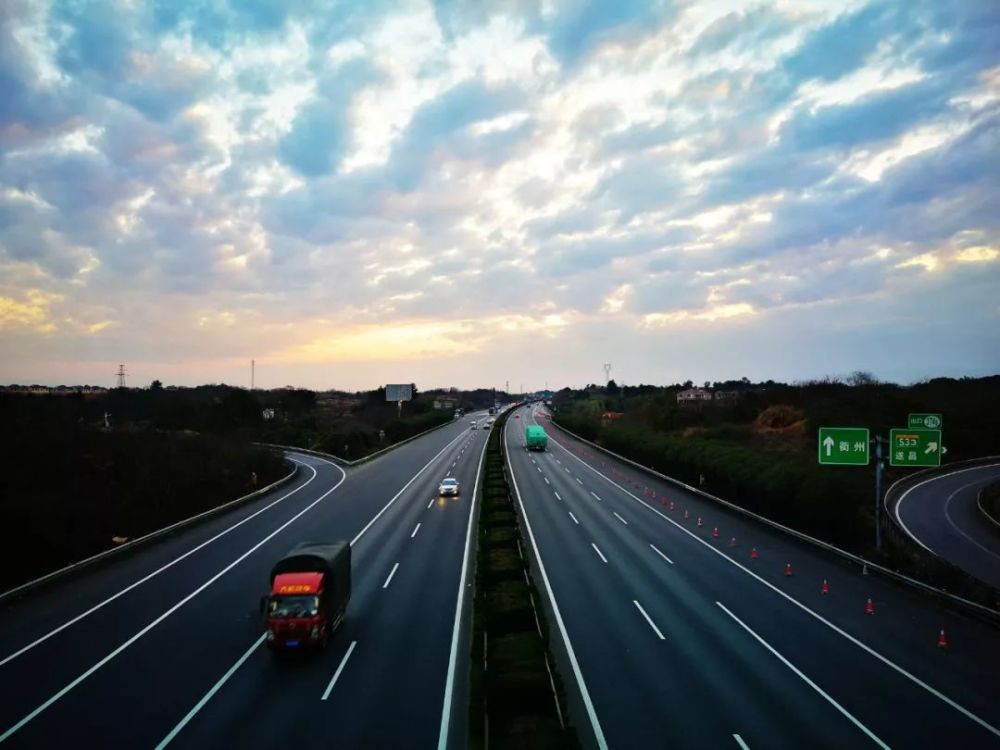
(535, 438)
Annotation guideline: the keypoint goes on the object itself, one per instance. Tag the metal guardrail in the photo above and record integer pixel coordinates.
(132, 545)
(142, 540)
(992, 614)
(357, 461)
(894, 492)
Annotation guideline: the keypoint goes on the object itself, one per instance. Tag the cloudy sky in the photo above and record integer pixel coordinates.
(467, 192)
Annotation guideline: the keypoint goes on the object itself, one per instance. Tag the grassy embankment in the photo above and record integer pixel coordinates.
(71, 493)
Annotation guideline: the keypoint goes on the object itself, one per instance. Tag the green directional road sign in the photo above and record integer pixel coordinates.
(844, 446)
(925, 421)
(914, 447)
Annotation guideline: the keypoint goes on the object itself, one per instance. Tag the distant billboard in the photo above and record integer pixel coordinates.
(399, 392)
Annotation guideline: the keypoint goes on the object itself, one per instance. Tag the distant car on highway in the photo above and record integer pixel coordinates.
(449, 486)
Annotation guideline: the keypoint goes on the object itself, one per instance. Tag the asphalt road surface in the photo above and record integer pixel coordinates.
(164, 647)
(667, 635)
(940, 515)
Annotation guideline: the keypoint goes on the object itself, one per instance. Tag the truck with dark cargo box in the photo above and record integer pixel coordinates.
(310, 588)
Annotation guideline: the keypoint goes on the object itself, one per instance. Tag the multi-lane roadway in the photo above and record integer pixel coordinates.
(164, 647)
(667, 633)
(941, 515)
(675, 623)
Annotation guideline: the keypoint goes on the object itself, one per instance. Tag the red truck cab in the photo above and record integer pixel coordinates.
(310, 588)
(294, 615)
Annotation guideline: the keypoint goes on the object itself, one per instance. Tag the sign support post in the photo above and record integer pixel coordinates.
(878, 493)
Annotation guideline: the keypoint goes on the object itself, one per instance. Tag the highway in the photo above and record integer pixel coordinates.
(669, 633)
(940, 515)
(164, 646)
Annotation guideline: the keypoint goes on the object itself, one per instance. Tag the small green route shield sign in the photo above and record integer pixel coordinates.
(914, 447)
(843, 446)
(925, 421)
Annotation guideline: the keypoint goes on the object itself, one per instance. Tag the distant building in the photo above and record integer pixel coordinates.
(728, 395)
(694, 394)
(445, 402)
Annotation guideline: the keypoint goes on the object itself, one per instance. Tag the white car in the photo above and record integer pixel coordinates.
(449, 486)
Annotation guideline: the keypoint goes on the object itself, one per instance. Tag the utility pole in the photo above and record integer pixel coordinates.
(607, 373)
(121, 376)
(252, 373)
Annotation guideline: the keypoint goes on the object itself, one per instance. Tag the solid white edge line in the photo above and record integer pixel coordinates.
(598, 551)
(122, 592)
(620, 518)
(449, 685)
(740, 742)
(899, 503)
(885, 660)
(391, 574)
(574, 518)
(661, 554)
(415, 530)
(649, 620)
(805, 678)
(954, 525)
(340, 668)
(208, 696)
(588, 704)
(83, 676)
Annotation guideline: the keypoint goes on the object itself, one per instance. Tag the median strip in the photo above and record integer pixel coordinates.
(513, 698)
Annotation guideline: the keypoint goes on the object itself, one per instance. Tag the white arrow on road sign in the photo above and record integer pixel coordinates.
(828, 444)
(931, 447)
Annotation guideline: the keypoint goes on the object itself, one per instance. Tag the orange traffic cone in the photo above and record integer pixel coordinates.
(753, 553)
(732, 542)
(825, 588)
(788, 569)
(869, 607)
(942, 640)
(663, 501)
(715, 532)
(700, 522)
